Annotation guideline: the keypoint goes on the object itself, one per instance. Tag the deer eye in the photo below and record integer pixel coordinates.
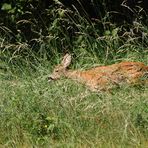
(56, 70)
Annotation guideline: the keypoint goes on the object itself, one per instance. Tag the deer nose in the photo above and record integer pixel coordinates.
(50, 78)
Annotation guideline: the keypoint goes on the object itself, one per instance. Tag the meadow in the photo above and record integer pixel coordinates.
(64, 113)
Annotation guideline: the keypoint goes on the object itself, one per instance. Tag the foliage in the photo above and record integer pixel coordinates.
(65, 113)
(34, 35)
(50, 22)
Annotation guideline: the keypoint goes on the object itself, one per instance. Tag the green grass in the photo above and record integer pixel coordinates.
(65, 113)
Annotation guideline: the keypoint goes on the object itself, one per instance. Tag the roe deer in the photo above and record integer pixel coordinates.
(103, 77)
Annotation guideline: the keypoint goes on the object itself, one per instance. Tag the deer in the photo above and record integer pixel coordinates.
(102, 78)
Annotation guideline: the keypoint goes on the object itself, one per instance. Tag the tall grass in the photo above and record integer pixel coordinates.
(35, 113)
(66, 114)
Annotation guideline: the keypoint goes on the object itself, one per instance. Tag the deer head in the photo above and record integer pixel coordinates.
(60, 70)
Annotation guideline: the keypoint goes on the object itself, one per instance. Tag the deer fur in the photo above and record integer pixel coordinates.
(103, 77)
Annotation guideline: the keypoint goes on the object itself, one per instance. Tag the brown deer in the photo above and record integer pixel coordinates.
(103, 77)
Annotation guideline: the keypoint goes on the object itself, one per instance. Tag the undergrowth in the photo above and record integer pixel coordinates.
(35, 113)
(66, 114)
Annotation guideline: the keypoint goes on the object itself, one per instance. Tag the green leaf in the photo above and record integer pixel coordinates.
(6, 6)
(115, 31)
(107, 32)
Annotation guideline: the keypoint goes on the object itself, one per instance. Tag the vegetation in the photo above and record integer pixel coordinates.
(35, 113)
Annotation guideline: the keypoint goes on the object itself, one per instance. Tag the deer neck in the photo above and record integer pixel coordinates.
(75, 75)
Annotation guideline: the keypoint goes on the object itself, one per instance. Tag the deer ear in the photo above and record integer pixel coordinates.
(66, 60)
